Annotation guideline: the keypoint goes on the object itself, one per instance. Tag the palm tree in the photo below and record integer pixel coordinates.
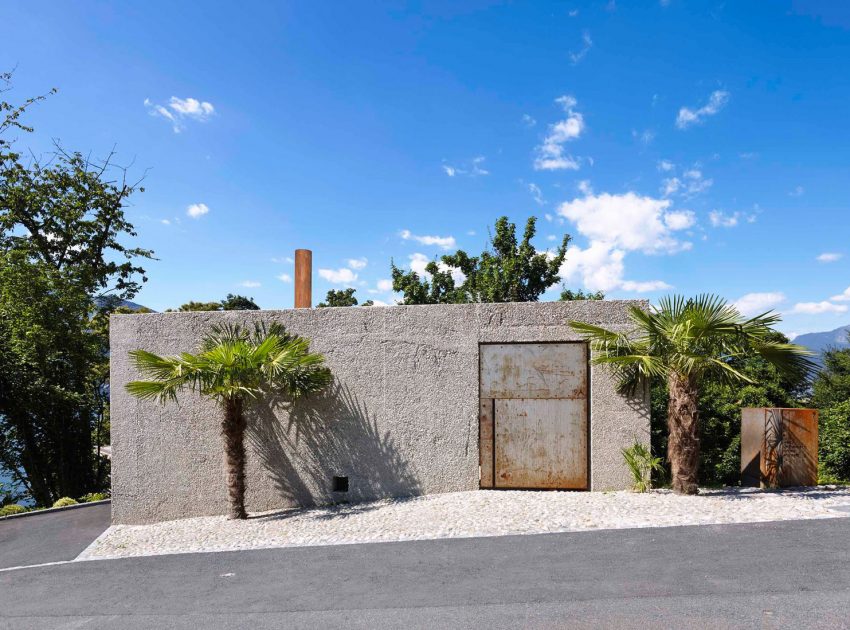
(685, 341)
(235, 367)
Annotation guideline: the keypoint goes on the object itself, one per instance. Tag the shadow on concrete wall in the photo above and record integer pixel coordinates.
(323, 436)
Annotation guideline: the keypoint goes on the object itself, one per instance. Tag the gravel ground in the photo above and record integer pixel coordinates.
(465, 514)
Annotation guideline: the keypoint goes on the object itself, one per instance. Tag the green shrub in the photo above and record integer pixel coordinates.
(8, 510)
(94, 496)
(834, 438)
(64, 501)
(641, 464)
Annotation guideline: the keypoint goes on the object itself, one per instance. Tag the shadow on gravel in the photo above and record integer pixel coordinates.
(326, 436)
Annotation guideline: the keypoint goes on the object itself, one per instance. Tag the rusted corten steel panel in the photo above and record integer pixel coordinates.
(533, 421)
(779, 447)
(485, 441)
(534, 370)
(541, 443)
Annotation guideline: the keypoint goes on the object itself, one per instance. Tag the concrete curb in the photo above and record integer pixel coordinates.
(50, 510)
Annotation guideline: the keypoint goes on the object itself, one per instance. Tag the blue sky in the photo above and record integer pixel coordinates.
(686, 146)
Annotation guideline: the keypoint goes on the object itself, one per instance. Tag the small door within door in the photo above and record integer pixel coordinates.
(534, 420)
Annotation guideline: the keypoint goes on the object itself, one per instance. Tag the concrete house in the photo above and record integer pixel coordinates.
(426, 399)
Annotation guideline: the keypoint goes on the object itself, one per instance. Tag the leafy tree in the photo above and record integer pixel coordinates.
(720, 412)
(235, 367)
(509, 271)
(568, 295)
(832, 384)
(62, 235)
(685, 343)
(831, 395)
(238, 303)
(342, 297)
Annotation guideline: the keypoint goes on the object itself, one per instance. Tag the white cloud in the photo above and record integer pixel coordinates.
(670, 186)
(721, 219)
(586, 45)
(627, 221)
(615, 225)
(472, 168)
(688, 117)
(550, 154)
(284, 259)
(285, 277)
(537, 194)
(338, 276)
(691, 183)
(418, 262)
(357, 263)
(797, 192)
(666, 166)
(584, 187)
(828, 257)
(757, 303)
(842, 297)
(528, 121)
(251, 284)
(180, 109)
(165, 221)
(645, 137)
(817, 308)
(446, 242)
(385, 285)
(197, 210)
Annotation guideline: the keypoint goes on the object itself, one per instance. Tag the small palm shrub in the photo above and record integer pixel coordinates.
(64, 502)
(641, 464)
(8, 510)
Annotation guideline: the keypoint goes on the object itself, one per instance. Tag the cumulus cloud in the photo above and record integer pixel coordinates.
(197, 210)
(418, 262)
(357, 263)
(586, 45)
(615, 225)
(828, 257)
(550, 154)
(178, 110)
(665, 166)
(817, 308)
(385, 285)
(721, 219)
(445, 242)
(692, 182)
(251, 284)
(757, 303)
(338, 276)
(285, 277)
(688, 117)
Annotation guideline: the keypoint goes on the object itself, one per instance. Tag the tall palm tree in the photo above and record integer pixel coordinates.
(685, 341)
(235, 367)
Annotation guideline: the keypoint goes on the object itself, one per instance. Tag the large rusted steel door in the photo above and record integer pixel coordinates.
(534, 415)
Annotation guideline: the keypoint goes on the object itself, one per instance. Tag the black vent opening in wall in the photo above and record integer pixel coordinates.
(340, 484)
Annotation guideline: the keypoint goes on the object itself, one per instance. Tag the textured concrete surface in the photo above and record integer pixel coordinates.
(52, 536)
(777, 575)
(402, 418)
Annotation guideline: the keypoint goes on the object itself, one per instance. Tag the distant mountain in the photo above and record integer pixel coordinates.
(100, 301)
(819, 341)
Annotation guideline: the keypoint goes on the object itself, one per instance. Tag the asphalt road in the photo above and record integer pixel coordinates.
(776, 575)
(51, 536)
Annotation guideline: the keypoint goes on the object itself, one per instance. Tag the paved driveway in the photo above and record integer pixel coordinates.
(51, 536)
(774, 575)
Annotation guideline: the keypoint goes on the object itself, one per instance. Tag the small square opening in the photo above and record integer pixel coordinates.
(340, 484)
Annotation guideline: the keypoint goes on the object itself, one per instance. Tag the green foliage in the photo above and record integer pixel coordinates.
(642, 464)
(238, 303)
(199, 306)
(8, 510)
(509, 271)
(834, 440)
(832, 385)
(568, 295)
(235, 363)
(91, 497)
(62, 246)
(699, 338)
(341, 297)
(64, 502)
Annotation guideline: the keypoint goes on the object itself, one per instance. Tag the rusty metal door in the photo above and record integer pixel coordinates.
(534, 415)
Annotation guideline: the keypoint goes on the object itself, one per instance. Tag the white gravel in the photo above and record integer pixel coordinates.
(465, 514)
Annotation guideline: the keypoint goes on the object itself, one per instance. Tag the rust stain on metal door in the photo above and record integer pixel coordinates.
(538, 394)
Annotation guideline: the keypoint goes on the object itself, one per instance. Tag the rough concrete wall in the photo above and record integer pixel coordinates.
(401, 419)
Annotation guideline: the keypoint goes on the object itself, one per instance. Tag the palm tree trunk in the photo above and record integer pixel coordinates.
(233, 432)
(683, 426)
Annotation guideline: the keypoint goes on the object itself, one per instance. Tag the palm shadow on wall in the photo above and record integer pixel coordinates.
(322, 436)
